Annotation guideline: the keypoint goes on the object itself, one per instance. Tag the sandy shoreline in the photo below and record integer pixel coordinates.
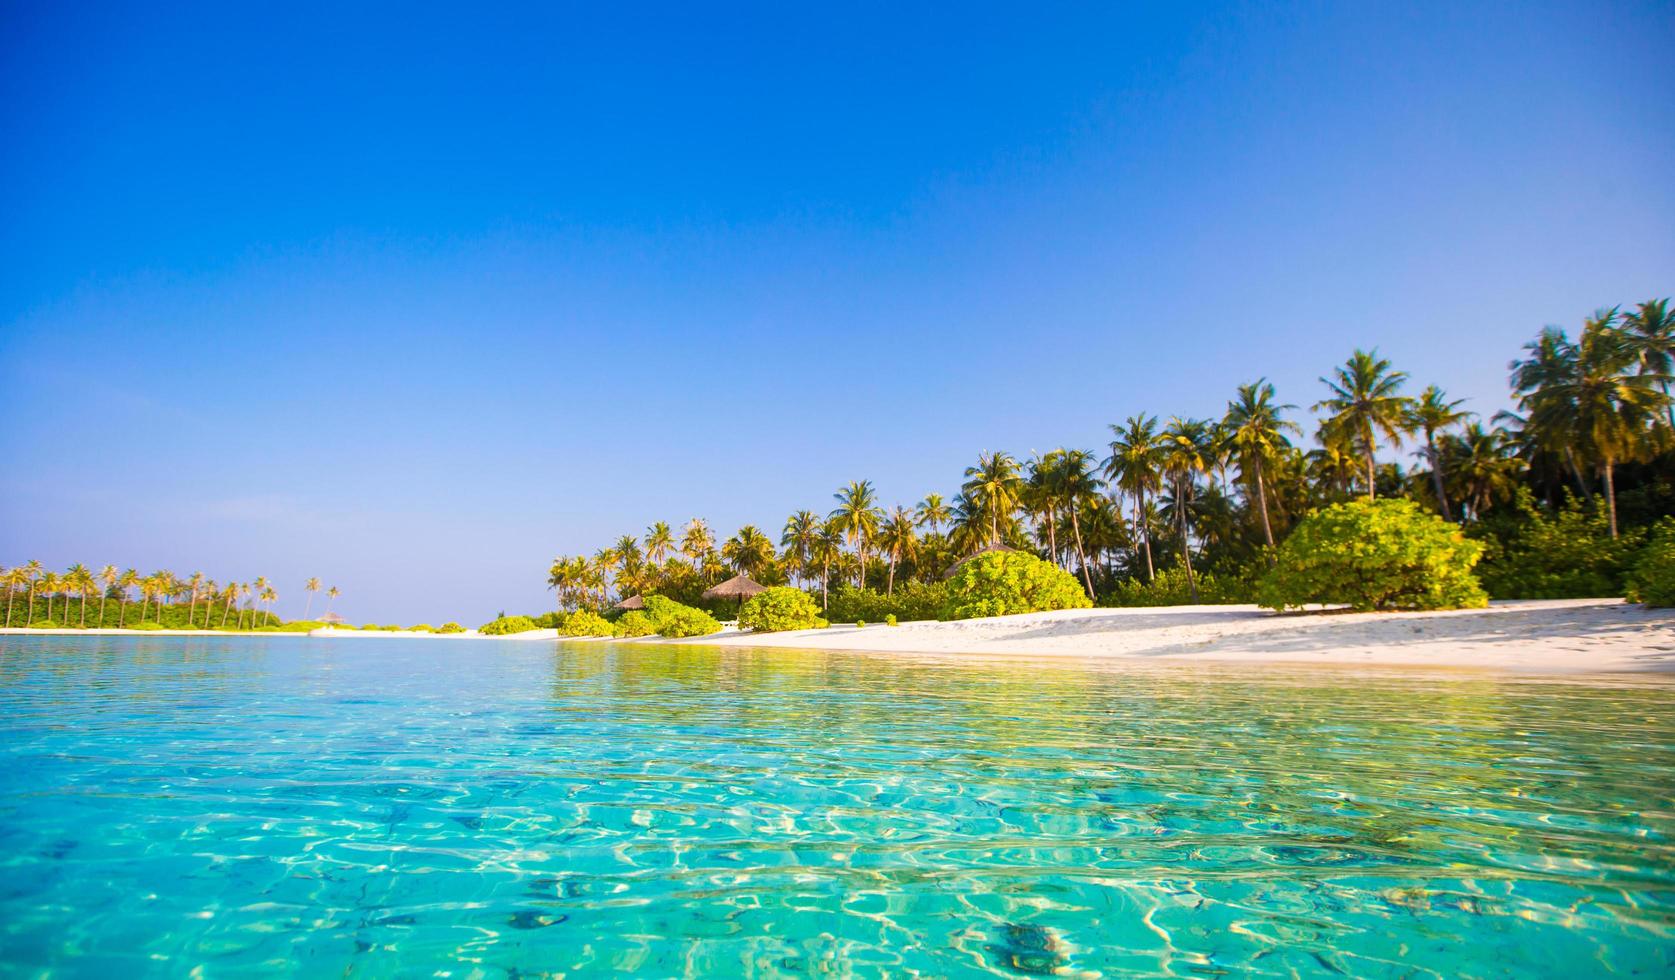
(1549, 636)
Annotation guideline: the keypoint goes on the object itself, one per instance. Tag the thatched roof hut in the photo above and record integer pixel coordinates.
(331, 618)
(632, 602)
(975, 555)
(740, 587)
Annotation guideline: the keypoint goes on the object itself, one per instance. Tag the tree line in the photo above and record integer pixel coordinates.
(1172, 496)
(113, 591)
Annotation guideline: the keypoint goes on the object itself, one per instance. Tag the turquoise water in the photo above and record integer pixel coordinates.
(269, 805)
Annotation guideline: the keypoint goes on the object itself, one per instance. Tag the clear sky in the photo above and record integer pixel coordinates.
(415, 299)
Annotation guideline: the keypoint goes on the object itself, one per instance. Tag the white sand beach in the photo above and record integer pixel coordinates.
(1559, 635)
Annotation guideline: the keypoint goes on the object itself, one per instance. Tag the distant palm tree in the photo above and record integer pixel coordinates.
(127, 580)
(802, 529)
(81, 580)
(697, 541)
(269, 597)
(311, 586)
(828, 546)
(857, 517)
(1185, 454)
(1651, 329)
(32, 573)
(108, 577)
(1363, 403)
(994, 484)
(1257, 434)
(1134, 466)
(197, 583)
(1038, 495)
(15, 578)
(932, 512)
(331, 597)
(1479, 465)
(1431, 413)
(228, 597)
(750, 551)
(898, 540)
(211, 591)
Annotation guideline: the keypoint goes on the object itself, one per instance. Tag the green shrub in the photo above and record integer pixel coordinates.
(1564, 554)
(148, 626)
(860, 624)
(371, 626)
(450, 627)
(1170, 588)
(634, 623)
(47, 624)
(912, 600)
(504, 626)
(1002, 583)
(1653, 579)
(890, 620)
(676, 620)
(778, 609)
(298, 626)
(422, 628)
(1374, 554)
(582, 623)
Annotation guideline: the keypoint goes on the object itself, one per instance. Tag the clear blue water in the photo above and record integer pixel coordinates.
(259, 806)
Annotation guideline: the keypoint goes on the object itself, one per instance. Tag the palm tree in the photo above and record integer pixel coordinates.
(197, 583)
(32, 572)
(749, 551)
(49, 586)
(898, 539)
(108, 576)
(932, 512)
(828, 546)
(1074, 482)
(660, 540)
(127, 580)
(311, 586)
(210, 591)
(228, 596)
(1185, 454)
(1038, 495)
(857, 517)
(1257, 434)
(798, 539)
(14, 578)
(1364, 402)
(331, 597)
(1431, 413)
(994, 484)
(269, 597)
(1651, 329)
(698, 541)
(1603, 400)
(148, 589)
(81, 580)
(1479, 466)
(1134, 467)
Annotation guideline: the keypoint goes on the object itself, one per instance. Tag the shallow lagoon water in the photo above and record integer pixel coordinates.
(497, 808)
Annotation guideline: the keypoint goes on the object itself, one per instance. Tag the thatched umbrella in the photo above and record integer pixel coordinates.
(974, 556)
(331, 619)
(740, 587)
(632, 602)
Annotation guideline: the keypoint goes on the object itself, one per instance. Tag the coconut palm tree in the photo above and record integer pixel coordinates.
(1480, 466)
(1039, 497)
(80, 579)
(1186, 453)
(1134, 467)
(660, 541)
(197, 583)
(331, 597)
(898, 539)
(1603, 400)
(311, 586)
(932, 512)
(798, 539)
(108, 577)
(697, 541)
(124, 582)
(1431, 413)
(15, 578)
(269, 596)
(1074, 483)
(1364, 402)
(993, 484)
(749, 551)
(857, 517)
(1257, 434)
(828, 547)
(32, 572)
(1651, 329)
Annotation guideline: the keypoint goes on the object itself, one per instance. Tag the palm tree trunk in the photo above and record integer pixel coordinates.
(1372, 475)
(1052, 533)
(102, 597)
(1145, 535)
(84, 609)
(825, 580)
(226, 608)
(30, 620)
(1610, 495)
(1081, 555)
(1576, 473)
(11, 594)
(121, 608)
(1186, 546)
(890, 583)
(1262, 506)
(1436, 478)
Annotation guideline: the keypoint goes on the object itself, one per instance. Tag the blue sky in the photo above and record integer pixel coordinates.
(416, 298)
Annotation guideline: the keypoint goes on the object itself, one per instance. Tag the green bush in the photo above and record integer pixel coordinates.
(422, 628)
(148, 626)
(778, 609)
(1653, 580)
(912, 600)
(504, 626)
(450, 627)
(860, 624)
(1002, 583)
(47, 624)
(1564, 554)
(582, 623)
(634, 623)
(298, 626)
(1170, 588)
(1374, 554)
(890, 620)
(676, 620)
(371, 626)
